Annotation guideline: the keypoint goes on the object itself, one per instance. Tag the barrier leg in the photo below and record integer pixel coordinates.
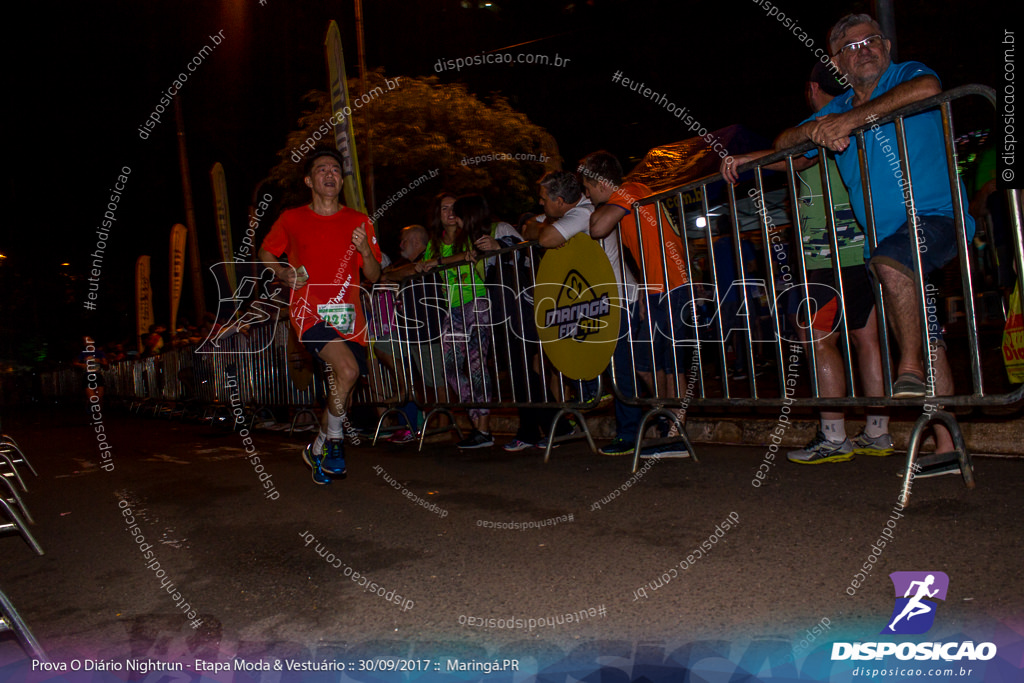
(680, 437)
(915, 462)
(191, 410)
(586, 430)
(8, 443)
(5, 456)
(307, 412)
(10, 620)
(262, 411)
(440, 430)
(221, 415)
(248, 416)
(380, 423)
(17, 524)
(17, 501)
(552, 439)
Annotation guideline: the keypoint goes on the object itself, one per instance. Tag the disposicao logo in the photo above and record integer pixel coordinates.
(913, 614)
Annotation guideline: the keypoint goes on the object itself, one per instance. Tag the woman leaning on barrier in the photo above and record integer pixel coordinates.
(461, 226)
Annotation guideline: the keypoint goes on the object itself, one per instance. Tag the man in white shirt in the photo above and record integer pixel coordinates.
(568, 213)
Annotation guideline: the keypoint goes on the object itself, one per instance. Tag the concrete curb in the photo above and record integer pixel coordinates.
(1006, 438)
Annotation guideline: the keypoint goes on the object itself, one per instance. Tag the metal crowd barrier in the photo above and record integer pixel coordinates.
(10, 620)
(11, 503)
(414, 315)
(671, 205)
(394, 363)
(11, 456)
(406, 323)
(64, 381)
(257, 359)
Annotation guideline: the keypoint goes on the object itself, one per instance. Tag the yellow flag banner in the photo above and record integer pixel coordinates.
(341, 109)
(143, 300)
(220, 201)
(177, 270)
(1013, 339)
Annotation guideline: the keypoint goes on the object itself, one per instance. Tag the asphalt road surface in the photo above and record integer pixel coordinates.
(404, 557)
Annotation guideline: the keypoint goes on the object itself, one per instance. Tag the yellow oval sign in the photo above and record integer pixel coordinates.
(576, 308)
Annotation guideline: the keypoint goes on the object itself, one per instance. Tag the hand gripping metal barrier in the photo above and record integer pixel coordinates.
(763, 209)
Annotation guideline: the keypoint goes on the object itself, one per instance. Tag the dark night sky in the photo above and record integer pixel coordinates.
(81, 78)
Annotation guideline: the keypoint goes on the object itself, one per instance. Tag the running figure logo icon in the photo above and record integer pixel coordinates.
(914, 613)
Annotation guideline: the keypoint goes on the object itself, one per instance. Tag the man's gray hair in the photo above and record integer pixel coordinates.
(838, 32)
(417, 230)
(562, 184)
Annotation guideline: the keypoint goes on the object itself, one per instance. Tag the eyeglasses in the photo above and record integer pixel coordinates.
(870, 41)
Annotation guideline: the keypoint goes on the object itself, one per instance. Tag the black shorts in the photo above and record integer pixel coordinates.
(937, 246)
(321, 334)
(858, 294)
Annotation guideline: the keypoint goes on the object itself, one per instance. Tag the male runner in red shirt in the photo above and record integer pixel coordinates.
(327, 245)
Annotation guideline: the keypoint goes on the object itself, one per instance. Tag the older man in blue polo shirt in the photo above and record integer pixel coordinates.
(879, 86)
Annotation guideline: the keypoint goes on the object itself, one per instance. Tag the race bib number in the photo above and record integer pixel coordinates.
(341, 317)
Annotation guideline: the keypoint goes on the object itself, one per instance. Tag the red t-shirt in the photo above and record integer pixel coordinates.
(323, 245)
(624, 198)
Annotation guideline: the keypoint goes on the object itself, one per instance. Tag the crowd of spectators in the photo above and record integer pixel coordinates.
(457, 346)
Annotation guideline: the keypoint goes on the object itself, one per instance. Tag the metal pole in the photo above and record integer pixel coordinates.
(361, 49)
(885, 14)
(190, 217)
